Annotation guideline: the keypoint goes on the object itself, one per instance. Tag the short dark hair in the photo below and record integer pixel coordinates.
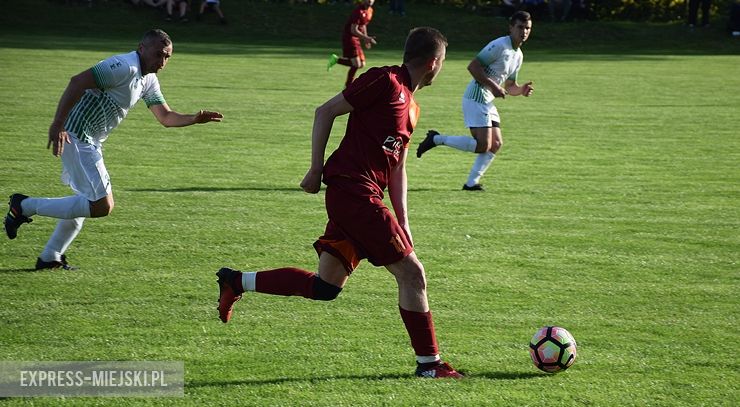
(520, 15)
(154, 35)
(423, 43)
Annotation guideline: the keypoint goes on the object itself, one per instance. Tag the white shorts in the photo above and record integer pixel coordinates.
(84, 171)
(479, 114)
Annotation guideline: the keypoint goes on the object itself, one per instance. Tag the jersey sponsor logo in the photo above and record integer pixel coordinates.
(402, 97)
(392, 146)
(115, 65)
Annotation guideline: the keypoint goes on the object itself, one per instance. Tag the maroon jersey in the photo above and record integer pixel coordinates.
(378, 129)
(360, 16)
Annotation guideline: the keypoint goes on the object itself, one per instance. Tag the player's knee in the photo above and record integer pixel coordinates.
(496, 146)
(414, 277)
(101, 208)
(324, 291)
(482, 146)
(419, 281)
(78, 222)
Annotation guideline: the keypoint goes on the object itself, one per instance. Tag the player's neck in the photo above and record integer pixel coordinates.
(416, 75)
(514, 43)
(142, 65)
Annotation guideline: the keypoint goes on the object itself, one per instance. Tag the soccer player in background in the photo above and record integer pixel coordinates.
(370, 158)
(494, 71)
(93, 104)
(355, 32)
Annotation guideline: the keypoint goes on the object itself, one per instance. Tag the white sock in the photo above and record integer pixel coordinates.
(65, 232)
(69, 207)
(428, 359)
(249, 280)
(463, 143)
(480, 165)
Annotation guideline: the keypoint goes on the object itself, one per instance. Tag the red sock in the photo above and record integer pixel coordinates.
(421, 331)
(285, 281)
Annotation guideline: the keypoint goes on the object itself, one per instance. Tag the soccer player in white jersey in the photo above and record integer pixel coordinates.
(93, 104)
(494, 72)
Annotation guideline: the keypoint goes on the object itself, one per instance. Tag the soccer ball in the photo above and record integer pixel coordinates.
(552, 349)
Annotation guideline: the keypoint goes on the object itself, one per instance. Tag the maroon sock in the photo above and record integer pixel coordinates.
(285, 281)
(344, 61)
(350, 76)
(421, 331)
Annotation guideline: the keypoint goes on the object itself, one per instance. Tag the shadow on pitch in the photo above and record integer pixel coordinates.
(243, 189)
(33, 270)
(14, 271)
(215, 189)
(390, 376)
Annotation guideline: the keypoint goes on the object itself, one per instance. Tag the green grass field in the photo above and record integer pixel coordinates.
(613, 210)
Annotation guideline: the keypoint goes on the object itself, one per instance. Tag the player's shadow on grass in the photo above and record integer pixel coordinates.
(236, 189)
(506, 375)
(389, 376)
(33, 270)
(215, 189)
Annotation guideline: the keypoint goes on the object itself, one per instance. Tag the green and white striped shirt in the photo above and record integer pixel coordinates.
(500, 61)
(120, 86)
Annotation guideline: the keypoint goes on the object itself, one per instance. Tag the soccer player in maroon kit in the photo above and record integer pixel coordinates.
(355, 32)
(370, 158)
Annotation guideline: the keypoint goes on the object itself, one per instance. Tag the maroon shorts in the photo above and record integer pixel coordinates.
(351, 47)
(361, 227)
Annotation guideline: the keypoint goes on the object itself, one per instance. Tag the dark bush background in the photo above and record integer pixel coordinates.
(633, 10)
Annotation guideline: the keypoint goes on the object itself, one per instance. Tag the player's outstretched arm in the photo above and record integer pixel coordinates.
(322, 124)
(171, 118)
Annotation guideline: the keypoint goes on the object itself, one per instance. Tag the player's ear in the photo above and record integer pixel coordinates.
(432, 63)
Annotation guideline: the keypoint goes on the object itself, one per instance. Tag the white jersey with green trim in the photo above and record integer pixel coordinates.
(120, 86)
(500, 61)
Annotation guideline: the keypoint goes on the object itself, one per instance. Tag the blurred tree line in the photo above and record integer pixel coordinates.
(633, 10)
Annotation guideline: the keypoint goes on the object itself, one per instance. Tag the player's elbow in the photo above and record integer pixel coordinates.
(167, 120)
(474, 66)
(323, 111)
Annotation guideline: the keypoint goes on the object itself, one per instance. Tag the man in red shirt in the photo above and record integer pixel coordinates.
(355, 31)
(370, 158)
